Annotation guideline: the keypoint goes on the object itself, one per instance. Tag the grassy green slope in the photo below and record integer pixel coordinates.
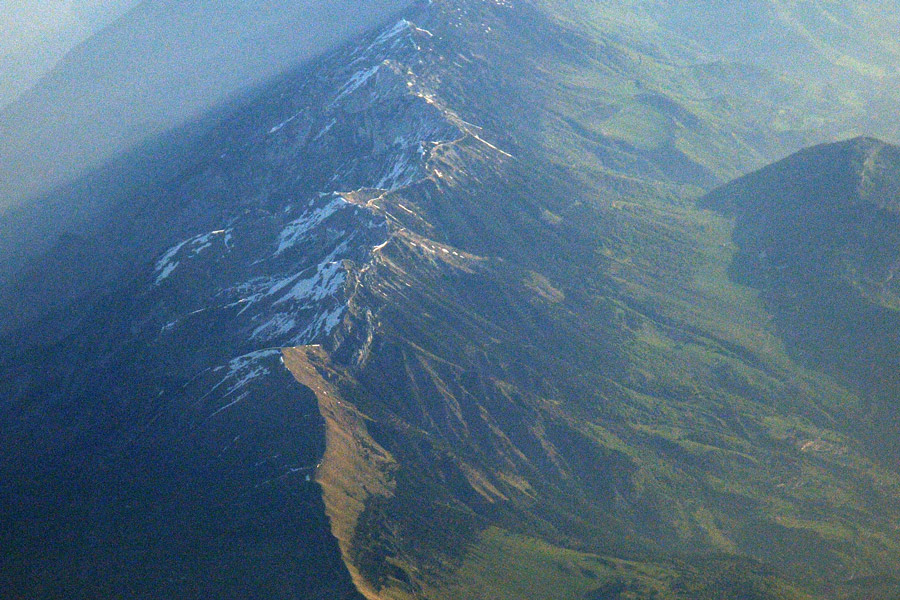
(804, 71)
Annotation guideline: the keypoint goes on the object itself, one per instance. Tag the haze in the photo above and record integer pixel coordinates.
(36, 35)
(158, 65)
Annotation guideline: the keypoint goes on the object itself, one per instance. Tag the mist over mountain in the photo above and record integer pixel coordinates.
(800, 37)
(36, 35)
(160, 64)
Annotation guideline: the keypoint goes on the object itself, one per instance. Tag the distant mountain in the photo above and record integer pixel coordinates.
(437, 316)
(803, 38)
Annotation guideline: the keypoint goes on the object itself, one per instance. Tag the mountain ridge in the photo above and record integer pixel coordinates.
(523, 326)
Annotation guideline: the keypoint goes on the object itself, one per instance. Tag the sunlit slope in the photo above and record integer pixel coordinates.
(797, 37)
(705, 53)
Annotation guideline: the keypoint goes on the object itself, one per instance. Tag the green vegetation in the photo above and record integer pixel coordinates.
(508, 567)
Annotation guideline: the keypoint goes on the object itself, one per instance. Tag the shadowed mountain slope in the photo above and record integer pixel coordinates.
(819, 235)
(161, 64)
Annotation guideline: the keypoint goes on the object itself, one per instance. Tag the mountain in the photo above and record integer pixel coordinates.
(798, 38)
(817, 234)
(643, 106)
(437, 315)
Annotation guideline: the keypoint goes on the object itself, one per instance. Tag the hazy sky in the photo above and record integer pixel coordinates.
(157, 65)
(35, 34)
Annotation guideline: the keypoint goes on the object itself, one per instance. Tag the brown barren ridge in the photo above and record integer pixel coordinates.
(354, 467)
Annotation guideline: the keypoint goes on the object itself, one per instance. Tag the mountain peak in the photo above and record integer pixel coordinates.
(818, 234)
(839, 174)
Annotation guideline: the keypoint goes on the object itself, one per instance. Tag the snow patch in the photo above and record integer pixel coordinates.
(281, 125)
(279, 325)
(326, 282)
(381, 246)
(322, 325)
(241, 371)
(235, 365)
(165, 272)
(392, 35)
(401, 26)
(325, 129)
(166, 265)
(356, 81)
(204, 241)
(296, 231)
(401, 174)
